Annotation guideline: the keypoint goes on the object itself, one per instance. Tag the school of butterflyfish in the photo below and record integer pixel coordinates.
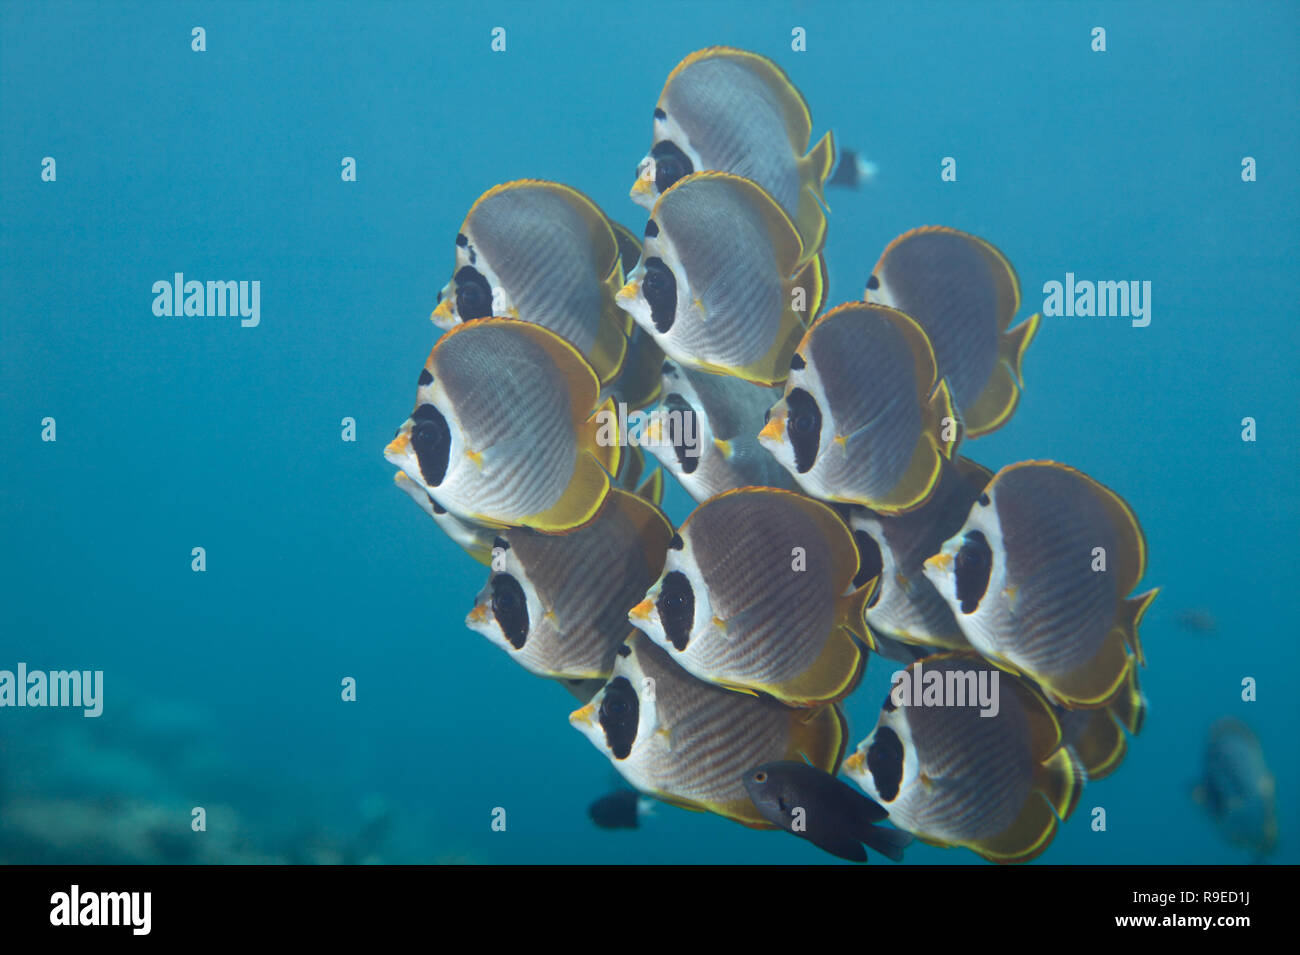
(836, 517)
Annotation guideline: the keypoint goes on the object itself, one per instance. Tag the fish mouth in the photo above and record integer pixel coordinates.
(643, 186)
(774, 430)
(940, 563)
(398, 449)
(642, 610)
(584, 716)
(442, 315)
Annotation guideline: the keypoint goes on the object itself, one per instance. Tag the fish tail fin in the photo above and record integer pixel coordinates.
(1101, 745)
(944, 419)
(818, 165)
(813, 279)
(1014, 343)
(1061, 780)
(1131, 613)
(1130, 704)
(888, 841)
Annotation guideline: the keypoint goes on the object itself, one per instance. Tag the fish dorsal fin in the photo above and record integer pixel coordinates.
(786, 240)
(973, 473)
(653, 528)
(794, 108)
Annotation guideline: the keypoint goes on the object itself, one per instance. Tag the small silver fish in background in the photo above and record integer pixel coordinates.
(964, 294)
(1237, 788)
(724, 453)
(734, 111)
(830, 814)
(506, 429)
(865, 419)
(541, 252)
(1097, 737)
(757, 596)
(906, 605)
(1197, 621)
(951, 776)
(1038, 578)
(475, 539)
(558, 604)
(723, 284)
(690, 743)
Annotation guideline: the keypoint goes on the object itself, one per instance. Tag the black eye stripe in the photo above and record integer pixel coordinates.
(510, 607)
(620, 711)
(803, 426)
(473, 296)
(972, 567)
(671, 164)
(431, 441)
(676, 605)
(885, 763)
(659, 286)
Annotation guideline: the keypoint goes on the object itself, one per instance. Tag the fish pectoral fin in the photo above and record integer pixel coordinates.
(580, 502)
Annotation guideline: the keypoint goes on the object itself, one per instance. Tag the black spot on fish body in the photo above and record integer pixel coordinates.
(619, 712)
(972, 567)
(651, 229)
(797, 363)
(984, 500)
(500, 542)
(671, 164)
(885, 763)
(803, 424)
(660, 114)
(677, 608)
(510, 607)
(425, 377)
(616, 810)
(659, 286)
(462, 240)
(870, 562)
(677, 542)
(437, 508)
(873, 283)
(473, 297)
(431, 439)
(624, 650)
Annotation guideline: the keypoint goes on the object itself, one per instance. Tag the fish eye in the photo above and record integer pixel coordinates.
(676, 605)
(510, 607)
(671, 164)
(431, 439)
(972, 567)
(659, 286)
(760, 777)
(619, 712)
(473, 297)
(804, 425)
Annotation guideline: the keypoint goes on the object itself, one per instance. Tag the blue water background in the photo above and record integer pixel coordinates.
(183, 432)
